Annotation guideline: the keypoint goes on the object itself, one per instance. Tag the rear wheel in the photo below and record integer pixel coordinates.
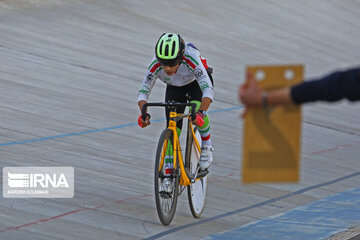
(165, 201)
(197, 190)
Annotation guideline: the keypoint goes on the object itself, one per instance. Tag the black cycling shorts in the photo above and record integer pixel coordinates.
(187, 93)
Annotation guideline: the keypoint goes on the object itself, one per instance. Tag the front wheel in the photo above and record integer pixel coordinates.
(165, 201)
(197, 190)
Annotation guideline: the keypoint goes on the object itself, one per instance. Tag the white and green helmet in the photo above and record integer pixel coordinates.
(169, 49)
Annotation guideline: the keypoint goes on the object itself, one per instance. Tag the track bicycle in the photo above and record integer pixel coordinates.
(185, 174)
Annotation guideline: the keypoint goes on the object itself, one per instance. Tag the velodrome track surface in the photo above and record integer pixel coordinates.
(69, 76)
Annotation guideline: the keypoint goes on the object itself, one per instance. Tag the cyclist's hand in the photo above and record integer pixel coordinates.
(143, 123)
(199, 119)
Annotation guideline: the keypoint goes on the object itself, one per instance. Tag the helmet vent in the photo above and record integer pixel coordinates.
(173, 49)
(161, 44)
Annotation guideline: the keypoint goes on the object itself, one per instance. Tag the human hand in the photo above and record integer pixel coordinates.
(199, 119)
(249, 93)
(144, 123)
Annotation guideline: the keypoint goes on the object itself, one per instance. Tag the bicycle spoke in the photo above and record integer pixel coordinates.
(165, 201)
(198, 188)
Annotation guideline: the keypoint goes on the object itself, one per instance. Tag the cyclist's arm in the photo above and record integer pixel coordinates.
(207, 91)
(143, 95)
(148, 83)
(145, 89)
(205, 103)
(205, 84)
(141, 103)
(143, 123)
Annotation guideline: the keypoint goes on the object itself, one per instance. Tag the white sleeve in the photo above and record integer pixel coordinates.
(148, 81)
(203, 79)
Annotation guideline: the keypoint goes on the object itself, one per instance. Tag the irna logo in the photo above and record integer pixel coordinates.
(38, 182)
(35, 180)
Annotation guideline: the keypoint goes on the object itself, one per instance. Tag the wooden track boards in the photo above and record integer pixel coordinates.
(75, 66)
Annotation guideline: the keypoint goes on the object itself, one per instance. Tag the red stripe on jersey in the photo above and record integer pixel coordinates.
(189, 62)
(204, 62)
(155, 67)
(205, 138)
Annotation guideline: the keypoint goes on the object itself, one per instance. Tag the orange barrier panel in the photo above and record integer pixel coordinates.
(271, 148)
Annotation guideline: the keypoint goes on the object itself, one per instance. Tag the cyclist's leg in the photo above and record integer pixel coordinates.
(195, 95)
(176, 94)
(204, 130)
(207, 150)
(169, 159)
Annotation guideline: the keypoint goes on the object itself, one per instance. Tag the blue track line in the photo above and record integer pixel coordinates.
(97, 130)
(237, 211)
(318, 220)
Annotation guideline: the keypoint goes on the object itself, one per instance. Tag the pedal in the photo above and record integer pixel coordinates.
(195, 176)
(202, 173)
(165, 195)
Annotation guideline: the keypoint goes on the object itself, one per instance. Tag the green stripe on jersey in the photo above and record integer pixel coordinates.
(152, 64)
(188, 66)
(158, 70)
(192, 59)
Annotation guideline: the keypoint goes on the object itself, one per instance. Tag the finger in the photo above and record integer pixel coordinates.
(244, 114)
(201, 123)
(140, 121)
(245, 94)
(248, 79)
(246, 85)
(251, 79)
(249, 76)
(241, 88)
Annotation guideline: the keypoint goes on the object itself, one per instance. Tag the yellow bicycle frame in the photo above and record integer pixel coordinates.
(184, 180)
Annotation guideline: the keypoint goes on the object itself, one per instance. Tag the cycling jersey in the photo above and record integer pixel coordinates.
(190, 69)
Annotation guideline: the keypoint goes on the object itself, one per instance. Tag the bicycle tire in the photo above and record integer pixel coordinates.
(197, 191)
(166, 206)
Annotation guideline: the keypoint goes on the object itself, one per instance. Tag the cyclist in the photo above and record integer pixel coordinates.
(186, 75)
